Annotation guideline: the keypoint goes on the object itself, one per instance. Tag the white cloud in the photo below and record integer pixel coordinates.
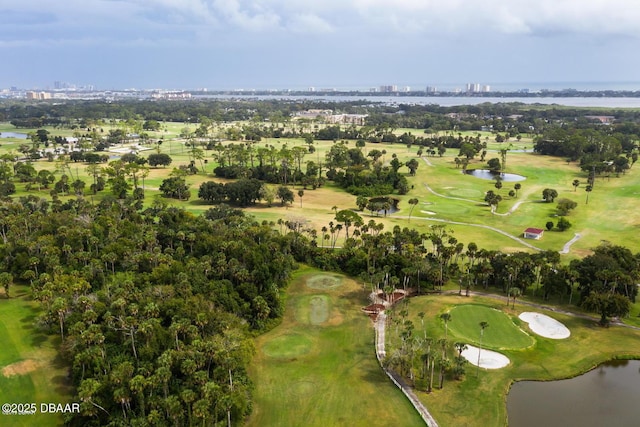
(189, 21)
(309, 23)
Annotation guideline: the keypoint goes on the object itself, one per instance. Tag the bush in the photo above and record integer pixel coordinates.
(563, 224)
(564, 206)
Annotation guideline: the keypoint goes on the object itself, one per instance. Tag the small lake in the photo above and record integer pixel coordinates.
(490, 175)
(605, 396)
(13, 135)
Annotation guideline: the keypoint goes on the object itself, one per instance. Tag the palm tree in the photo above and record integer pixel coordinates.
(445, 317)
(588, 190)
(413, 202)
(300, 194)
(515, 293)
(483, 326)
(517, 187)
(460, 346)
(421, 316)
(575, 184)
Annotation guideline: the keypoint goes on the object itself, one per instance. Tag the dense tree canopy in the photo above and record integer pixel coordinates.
(153, 306)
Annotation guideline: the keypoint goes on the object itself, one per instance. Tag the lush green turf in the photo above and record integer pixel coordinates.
(596, 221)
(324, 374)
(481, 401)
(501, 333)
(304, 370)
(40, 378)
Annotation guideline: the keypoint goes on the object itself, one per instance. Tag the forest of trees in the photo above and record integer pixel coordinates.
(598, 151)
(155, 322)
(156, 307)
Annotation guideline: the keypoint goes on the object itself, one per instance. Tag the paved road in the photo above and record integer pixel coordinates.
(567, 246)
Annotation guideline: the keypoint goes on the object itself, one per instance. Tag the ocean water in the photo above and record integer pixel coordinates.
(449, 101)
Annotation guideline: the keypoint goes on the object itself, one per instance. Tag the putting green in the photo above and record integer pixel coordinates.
(502, 332)
(324, 282)
(287, 346)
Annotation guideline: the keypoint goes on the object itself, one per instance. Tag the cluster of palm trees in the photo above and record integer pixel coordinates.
(423, 359)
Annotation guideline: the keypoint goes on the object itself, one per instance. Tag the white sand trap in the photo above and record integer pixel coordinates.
(428, 212)
(488, 359)
(545, 326)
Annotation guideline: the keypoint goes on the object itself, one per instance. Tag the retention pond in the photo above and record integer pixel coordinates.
(605, 396)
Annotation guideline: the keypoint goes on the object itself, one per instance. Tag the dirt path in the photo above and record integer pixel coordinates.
(427, 161)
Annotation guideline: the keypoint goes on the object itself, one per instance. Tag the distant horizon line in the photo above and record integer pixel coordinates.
(582, 86)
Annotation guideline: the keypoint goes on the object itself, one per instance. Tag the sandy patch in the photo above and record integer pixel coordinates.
(129, 149)
(428, 212)
(20, 368)
(545, 326)
(488, 359)
(318, 309)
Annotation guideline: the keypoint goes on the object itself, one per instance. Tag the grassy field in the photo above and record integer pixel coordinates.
(30, 371)
(504, 334)
(318, 367)
(440, 201)
(481, 401)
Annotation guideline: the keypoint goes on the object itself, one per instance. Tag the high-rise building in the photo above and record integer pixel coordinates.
(38, 95)
(473, 87)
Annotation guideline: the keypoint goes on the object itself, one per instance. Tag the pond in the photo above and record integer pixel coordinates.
(605, 396)
(13, 135)
(491, 175)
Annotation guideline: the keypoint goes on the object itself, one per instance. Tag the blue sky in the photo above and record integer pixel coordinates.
(265, 44)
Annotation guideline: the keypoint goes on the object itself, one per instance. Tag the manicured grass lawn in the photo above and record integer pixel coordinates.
(310, 373)
(464, 326)
(596, 221)
(40, 377)
(481, 401)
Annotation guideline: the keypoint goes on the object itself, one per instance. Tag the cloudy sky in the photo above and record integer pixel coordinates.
(264, 44)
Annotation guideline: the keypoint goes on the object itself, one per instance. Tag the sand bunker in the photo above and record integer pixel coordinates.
(488, 359)
(19, 368)
(545, 326)
(428, 212)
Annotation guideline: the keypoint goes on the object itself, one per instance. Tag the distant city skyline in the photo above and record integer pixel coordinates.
(477, 87)
(346, 44)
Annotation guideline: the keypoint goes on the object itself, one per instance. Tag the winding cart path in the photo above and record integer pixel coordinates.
(379, 326)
